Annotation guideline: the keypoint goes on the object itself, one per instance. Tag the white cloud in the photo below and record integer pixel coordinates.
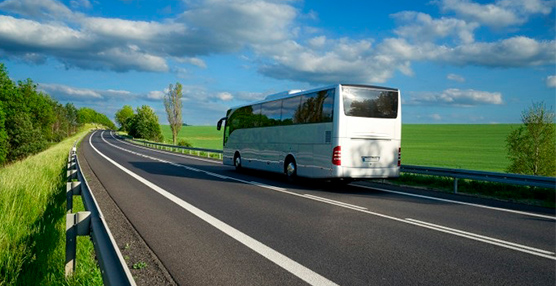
(421, 27)
(455, 77)
(37, 9)
(225, 96)
(251, 21)
(81, 4)
(456, 97)
(269, 29)
(500, 14)
(66, 92)
(551, 81)
(77, 94)
(155, 95)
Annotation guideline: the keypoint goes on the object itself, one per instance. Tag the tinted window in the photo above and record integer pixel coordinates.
(270, 113)
(367, 102)
(289, 108)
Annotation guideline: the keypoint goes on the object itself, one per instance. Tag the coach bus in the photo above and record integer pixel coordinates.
(340, 132)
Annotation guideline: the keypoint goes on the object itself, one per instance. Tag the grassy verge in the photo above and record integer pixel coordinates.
(521, 194)
(32, 222)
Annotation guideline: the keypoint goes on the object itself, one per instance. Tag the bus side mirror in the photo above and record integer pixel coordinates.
(219, 124)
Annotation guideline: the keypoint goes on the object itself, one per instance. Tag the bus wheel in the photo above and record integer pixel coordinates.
(291, 170)
(237, 161)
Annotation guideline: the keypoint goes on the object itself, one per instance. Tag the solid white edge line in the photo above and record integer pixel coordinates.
(457, 202)
(274, 256)
(475, 237)
(166, 152)
(367, 187)
(486, 239)
(482, 236)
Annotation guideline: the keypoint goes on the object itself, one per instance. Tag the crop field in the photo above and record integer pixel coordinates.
(464, 146)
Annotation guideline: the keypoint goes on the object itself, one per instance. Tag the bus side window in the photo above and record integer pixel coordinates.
(270, 113)
(289, 107)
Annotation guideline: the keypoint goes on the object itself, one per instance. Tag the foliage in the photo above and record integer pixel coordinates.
(184, 143)
(532, 147)
(122, 117)
(30, 120)
(88, 115)
(144, 124)
(3, 136)
(172, 103)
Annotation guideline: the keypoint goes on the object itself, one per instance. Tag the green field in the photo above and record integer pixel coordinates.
(474, 147)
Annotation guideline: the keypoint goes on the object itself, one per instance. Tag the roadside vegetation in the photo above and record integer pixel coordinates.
(31, 121)
(32, 222)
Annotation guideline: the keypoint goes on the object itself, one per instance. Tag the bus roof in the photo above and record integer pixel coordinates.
(296, 92)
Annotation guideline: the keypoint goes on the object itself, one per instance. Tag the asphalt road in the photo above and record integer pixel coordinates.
(210, 225)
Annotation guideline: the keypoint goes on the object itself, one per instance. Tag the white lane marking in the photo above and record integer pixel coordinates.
(375, 188)
(279, 259)
(165, 152)
(457, 202)
(334, 202)
(492, 241)
(480, 237)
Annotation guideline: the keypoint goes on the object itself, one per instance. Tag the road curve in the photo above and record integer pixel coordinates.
(210, 225)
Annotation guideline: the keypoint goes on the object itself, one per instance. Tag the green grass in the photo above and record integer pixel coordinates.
(199, 136)
(32, 222)
(473, 147)
(464, 146)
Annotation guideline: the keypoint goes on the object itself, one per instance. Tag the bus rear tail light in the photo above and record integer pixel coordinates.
(399, 157)
(337, 156)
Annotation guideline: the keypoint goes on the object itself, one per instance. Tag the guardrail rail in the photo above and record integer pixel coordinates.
(91, 222)
(456, 174)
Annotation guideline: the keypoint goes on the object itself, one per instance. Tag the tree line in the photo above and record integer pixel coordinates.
(31, 120)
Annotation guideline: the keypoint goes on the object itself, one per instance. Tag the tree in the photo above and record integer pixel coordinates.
(172, 103)
(3, 137)
(532, 147)
(122, 117)
(144, 124)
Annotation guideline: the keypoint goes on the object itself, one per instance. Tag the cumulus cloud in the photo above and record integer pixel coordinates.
(225, 96)
(155, 95)
(551, 81)
(51, 29)
(76, 94)
(421, 27)
(455, 77)
(269, 29)
(500, 14)
(456, 97)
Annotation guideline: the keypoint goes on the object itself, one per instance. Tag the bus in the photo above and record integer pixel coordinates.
(342, 132)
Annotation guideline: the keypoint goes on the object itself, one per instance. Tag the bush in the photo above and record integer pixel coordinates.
(184, 143)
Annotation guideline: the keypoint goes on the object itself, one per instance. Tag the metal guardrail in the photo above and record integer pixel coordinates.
(173, 147)
(91, 222)
(505, 178)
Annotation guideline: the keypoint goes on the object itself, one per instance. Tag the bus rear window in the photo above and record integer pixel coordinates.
(368, 102)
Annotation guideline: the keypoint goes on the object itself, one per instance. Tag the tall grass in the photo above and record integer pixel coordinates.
(32, 222)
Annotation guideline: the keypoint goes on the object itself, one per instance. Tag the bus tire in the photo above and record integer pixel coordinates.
(290, 169)
(237, 161)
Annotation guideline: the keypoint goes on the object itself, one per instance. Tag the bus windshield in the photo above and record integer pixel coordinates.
(370, 102)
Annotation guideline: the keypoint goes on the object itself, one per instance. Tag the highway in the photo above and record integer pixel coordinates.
(210, 225)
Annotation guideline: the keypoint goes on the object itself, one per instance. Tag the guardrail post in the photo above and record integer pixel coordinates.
(72, 189)
(76, 224)
(455, 185)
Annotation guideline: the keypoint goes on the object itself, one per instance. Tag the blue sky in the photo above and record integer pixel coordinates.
(455, 61)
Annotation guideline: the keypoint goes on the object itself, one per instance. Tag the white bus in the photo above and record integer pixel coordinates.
(344, 132)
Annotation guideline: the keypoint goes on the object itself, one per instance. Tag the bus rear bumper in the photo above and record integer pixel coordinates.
(368, 173)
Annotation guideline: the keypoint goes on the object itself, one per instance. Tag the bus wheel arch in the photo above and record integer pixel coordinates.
(237, 161)
(290, 168)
